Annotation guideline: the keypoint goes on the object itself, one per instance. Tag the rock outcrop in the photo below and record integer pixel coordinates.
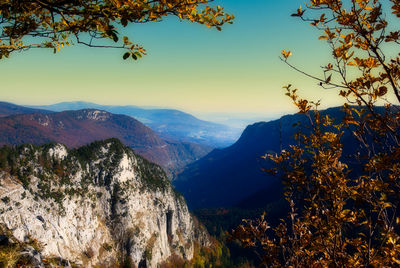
(100, 204)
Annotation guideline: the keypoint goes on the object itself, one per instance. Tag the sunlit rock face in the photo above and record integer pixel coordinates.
(97, 205)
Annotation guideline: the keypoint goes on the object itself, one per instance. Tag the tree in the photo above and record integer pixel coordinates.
(53, 24)
(343, 212)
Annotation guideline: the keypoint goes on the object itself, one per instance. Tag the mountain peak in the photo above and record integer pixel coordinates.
(58, 151)
(93, 114)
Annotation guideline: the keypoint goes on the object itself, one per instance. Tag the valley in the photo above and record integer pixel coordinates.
(87, 153)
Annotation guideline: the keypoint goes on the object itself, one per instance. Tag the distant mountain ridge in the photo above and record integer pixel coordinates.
(77, 128)
(7, 108)
(168, 123)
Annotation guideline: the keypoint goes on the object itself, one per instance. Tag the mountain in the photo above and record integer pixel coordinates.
(7, 108)
(226, 176)
(168, 123)
(233, 177)
(100, 205)
(77, 128)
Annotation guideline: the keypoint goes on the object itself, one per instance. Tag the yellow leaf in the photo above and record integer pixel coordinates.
(395, 260)
(286, 54)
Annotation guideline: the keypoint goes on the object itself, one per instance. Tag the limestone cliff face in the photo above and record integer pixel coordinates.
(97, 205)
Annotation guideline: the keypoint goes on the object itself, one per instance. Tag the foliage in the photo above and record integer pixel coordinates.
(214, 255)
(218, 221)
(12, 254)
(344, 211)
(153, 176)
(9, 255)
(59, 23)
(11, 250)
(87, 153)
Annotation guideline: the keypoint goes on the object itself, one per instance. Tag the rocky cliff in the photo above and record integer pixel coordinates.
(96, 205)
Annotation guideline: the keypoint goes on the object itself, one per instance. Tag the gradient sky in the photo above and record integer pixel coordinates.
(188, 67)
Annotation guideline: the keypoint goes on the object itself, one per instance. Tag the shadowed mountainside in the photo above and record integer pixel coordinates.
(233, 176)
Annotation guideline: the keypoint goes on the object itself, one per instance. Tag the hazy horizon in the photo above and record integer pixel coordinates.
(233, 119)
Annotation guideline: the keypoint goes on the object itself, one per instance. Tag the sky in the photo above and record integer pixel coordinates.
(188, 66)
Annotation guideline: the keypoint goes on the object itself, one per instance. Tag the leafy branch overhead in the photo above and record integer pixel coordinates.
(57, 23)
(341, 178)
(364, 39)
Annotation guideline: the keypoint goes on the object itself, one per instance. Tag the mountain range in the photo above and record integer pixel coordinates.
(168, 123)
(77, 128)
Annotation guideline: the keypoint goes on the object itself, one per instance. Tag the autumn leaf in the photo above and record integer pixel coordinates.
(286, 54)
